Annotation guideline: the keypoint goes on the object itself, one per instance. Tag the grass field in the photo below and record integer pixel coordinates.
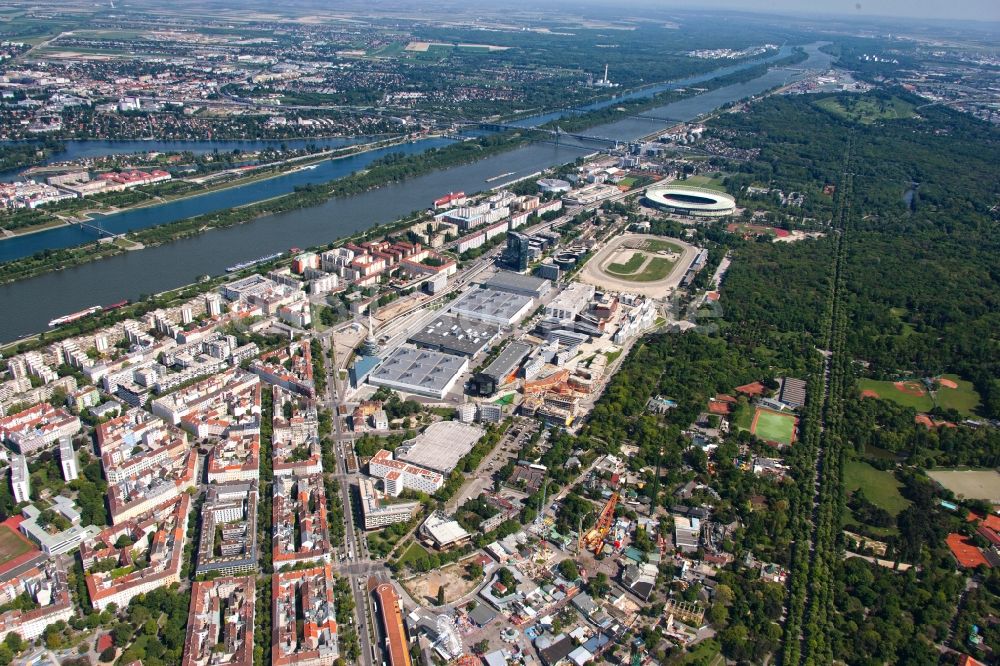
(881, 488)
(706, 653)
(970, 483)
(964, 399)
(889, 391)
(629, 267)
(12, 545)
(774, 426)
(866, 110)
(657, 269)
(656, 245)
(412, 553)
(743, 418)
(707, 182)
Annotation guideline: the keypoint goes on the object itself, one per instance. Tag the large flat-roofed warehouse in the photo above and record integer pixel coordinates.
(456, 335)
(441, 446)
(515, 283)
(489, 379)
(420, 371)
(497, 307)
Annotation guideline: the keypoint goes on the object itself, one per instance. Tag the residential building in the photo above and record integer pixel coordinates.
(67, 460)
(378, 512)
(228, 542)
(150, 557)
(37, 427)
(220, 626)
(47, 585)
(397, 475)
(299, 528)
(303, 618)
(20, 479)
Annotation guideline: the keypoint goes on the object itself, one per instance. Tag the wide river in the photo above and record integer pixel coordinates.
(28, 305)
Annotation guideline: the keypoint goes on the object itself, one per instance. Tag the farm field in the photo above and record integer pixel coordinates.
(907, 394)
(774, 426)
(981, 484)
(881, 488)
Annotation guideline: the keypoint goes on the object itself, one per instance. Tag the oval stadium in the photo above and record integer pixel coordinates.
(694, 201)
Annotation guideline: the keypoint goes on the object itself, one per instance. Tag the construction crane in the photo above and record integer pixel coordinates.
(594, 539)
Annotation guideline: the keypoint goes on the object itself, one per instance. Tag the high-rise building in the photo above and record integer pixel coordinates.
(20, 479)
(67, 457)
(518, 251)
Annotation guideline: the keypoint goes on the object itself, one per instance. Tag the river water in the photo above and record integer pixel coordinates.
(29, 304)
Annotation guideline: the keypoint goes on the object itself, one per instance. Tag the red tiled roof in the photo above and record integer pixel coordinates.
(965, 552)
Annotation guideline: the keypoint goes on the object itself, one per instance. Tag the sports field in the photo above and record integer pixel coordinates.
(12, 545)
(981, 484)
(630, 266)
(908, 394)
(772, 426)
(881, 488)
(956, 393)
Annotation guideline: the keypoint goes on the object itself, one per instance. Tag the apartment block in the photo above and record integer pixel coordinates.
(304, 626)
(300, 531)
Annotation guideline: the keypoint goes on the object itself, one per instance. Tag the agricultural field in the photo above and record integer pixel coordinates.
(865, 110)
(881, 488)
(774, 426)
(908, 394)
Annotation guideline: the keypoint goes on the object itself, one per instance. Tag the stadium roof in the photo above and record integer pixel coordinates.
(692, 199)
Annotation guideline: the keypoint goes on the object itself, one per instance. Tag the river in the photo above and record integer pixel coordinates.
(29, 304)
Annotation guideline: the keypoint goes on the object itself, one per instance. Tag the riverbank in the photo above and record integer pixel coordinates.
(385, 171)
(259, 173)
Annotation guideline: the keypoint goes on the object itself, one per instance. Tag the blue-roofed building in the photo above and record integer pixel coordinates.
(362, 367)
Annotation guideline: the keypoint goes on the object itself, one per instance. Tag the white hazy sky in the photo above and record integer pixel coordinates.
(975, 10)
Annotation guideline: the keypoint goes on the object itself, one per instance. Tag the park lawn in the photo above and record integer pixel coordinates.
(867, 110)
(630, 266)
(412, 553)
(706, 653)
(657, 269)
(881, 488)
(888, 391)
(12, 545)
(963, 399)
(708, 182)
(775, 427)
